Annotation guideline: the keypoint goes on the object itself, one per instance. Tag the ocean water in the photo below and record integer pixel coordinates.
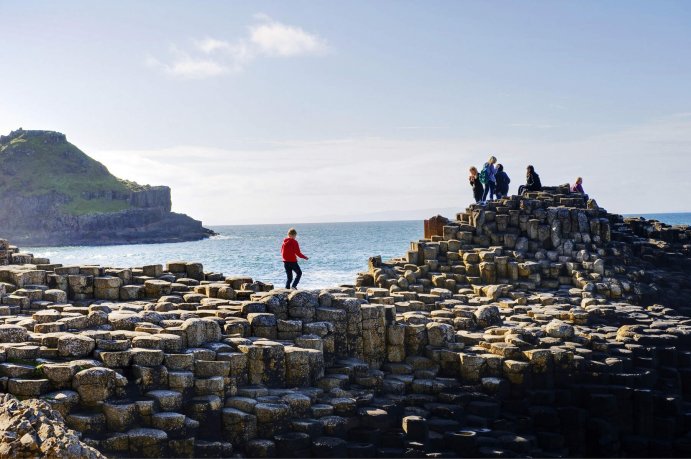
(337, 251)
(681, 218)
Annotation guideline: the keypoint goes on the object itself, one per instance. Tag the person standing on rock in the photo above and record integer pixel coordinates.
(503, 181)
(290, 251)
(532, 181)
(487, 177)
(474, 179)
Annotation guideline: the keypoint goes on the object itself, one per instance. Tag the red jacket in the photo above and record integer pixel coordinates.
(290, 250)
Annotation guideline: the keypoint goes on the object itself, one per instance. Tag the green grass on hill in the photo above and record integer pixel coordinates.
(94, 206)
(30, 165)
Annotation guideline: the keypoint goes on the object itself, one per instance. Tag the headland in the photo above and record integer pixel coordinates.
(52, 193)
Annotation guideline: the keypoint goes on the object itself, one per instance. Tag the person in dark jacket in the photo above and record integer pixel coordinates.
(503, 181)
(532, 182)
(490, 183)
(474, 180)
(577, 186)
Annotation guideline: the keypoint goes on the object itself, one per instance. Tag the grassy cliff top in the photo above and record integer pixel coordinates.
(34, 163)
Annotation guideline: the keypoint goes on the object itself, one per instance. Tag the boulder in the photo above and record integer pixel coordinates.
(75, 345)
(200, 331)
(559, 329)
(95, 384)
(13, 334)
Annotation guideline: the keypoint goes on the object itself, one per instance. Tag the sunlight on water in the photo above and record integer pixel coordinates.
(337, 251)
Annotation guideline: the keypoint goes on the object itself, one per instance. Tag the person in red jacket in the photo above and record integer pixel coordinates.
(290, 251)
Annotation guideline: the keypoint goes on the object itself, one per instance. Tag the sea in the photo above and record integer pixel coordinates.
(336, 251)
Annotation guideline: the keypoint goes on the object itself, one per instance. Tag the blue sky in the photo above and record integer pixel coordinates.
(303, 111)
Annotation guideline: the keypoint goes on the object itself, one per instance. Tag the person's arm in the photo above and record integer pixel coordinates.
(297, 251)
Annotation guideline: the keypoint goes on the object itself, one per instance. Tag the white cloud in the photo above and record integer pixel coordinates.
(238, 53)
(197, 68)
(419, 128)
(211, 57)
(211, 45)
(533, 125)
(276, 39)
(184, 65)
(343, 179)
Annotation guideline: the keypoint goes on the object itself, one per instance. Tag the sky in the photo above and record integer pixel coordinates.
(308, 111)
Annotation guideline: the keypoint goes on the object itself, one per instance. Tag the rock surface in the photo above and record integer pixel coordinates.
(535, 326)
(31, 428)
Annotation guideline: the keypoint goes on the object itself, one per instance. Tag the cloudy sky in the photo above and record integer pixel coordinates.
(297, 111)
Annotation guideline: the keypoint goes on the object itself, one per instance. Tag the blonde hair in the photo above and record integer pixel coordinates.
(492, 160)
(292, 232)
(579, 179)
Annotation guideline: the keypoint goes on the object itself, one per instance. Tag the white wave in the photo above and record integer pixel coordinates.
(223, 237)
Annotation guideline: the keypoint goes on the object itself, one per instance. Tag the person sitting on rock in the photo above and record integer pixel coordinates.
(532, 182)
(474, 179)
(577, 187)
(503, 181)
(487, 177)
(290, 250)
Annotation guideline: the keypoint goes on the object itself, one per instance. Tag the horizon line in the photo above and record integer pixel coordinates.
(635, 214)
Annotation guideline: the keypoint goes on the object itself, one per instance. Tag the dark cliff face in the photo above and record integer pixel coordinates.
(156, 196)
(51, 193)
(134, 226)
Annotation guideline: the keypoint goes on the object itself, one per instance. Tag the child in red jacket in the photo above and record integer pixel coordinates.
(290, 251)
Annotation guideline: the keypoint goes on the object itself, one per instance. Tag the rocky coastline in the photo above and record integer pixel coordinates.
(534, 326)
(52, 194)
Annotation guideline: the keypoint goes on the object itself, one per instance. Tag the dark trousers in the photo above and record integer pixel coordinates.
(291, 266)
(489, 190)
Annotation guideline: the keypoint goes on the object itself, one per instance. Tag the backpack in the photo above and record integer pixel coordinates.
(484, 175)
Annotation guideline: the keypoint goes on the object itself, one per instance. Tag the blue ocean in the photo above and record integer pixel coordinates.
(337, 251)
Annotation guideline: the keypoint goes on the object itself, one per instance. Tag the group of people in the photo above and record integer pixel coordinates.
(493, 182)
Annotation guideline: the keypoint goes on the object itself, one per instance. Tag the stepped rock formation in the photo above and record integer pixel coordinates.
(51, 193)
(535, 326)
